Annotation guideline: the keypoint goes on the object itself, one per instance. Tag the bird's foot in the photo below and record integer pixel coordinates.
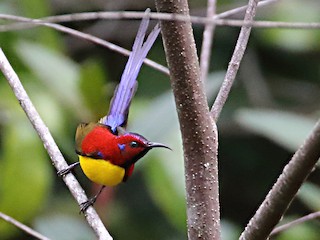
(84, 206)
(67, 170)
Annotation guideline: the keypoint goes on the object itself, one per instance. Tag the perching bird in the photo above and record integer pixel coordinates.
(107, 152)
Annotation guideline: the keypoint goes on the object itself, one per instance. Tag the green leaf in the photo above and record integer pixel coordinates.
(165, 181)
(164, 172)
(47, 106)
(157, 120)
(229, 231)
(25, 173)
(62, 227)
(50, 111)
(294, 40)
(92, 87)
(214, 82)
(309, 194)
(305, 230)
(287, 129)
(38, 9)
(59, 74)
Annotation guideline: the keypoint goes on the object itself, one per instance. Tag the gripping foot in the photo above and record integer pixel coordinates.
(67, 170)
(84, 206)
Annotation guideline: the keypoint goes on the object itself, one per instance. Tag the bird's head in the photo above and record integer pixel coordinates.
(134, 146)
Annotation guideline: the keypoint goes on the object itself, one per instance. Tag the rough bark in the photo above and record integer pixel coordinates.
(197, 127)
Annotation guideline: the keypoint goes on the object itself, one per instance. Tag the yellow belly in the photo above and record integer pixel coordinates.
(101, 171)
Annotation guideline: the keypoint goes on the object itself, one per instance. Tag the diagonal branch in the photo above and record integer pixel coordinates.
(237, 10)
(23, 227)
(199, 133)
(235, 61)
(50, 145)
(165, 17)
(309, 217)
(283, 191)
(207, 41)
(216, 19)
(82, 35)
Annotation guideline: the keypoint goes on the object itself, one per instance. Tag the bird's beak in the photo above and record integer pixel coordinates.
(157, 145)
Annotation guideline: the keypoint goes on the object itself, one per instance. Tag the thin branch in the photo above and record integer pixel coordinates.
(207, 41)
(85, 36)
(50, 145)
(199, 132)
(23, 227)
(269, 24)
(215, 19)
(235, 61)
(30, 23)
(238, 10)
(155, 16)
(283, 191)
(291, 224)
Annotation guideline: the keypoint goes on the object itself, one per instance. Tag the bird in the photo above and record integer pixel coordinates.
(107, 151)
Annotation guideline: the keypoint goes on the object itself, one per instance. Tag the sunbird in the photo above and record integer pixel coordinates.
(107, 152)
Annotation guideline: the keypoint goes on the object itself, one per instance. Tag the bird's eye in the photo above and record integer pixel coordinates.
(134, 144)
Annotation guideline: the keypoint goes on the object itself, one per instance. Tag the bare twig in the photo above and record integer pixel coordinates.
(215, 19)
(283, 191)
(207, 41)
(199, 132)
(238, 10)
(85, 36)
(30, 23)
(291, 224)
(268, 24)
(50, 145)
(23, 227)
(235, 61)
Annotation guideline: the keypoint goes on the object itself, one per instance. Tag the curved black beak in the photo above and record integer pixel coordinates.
(157, 145)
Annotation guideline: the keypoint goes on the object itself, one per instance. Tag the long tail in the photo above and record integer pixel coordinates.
(120, 103)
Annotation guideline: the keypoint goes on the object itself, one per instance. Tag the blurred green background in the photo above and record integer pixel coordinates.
(272, 107)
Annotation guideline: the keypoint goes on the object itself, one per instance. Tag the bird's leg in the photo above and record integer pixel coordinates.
(90, 202)
(68, 169)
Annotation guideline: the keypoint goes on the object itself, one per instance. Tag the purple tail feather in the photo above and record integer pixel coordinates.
(120, 103)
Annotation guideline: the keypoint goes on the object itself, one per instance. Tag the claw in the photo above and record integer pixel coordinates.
(67, 170)
(84, 206)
